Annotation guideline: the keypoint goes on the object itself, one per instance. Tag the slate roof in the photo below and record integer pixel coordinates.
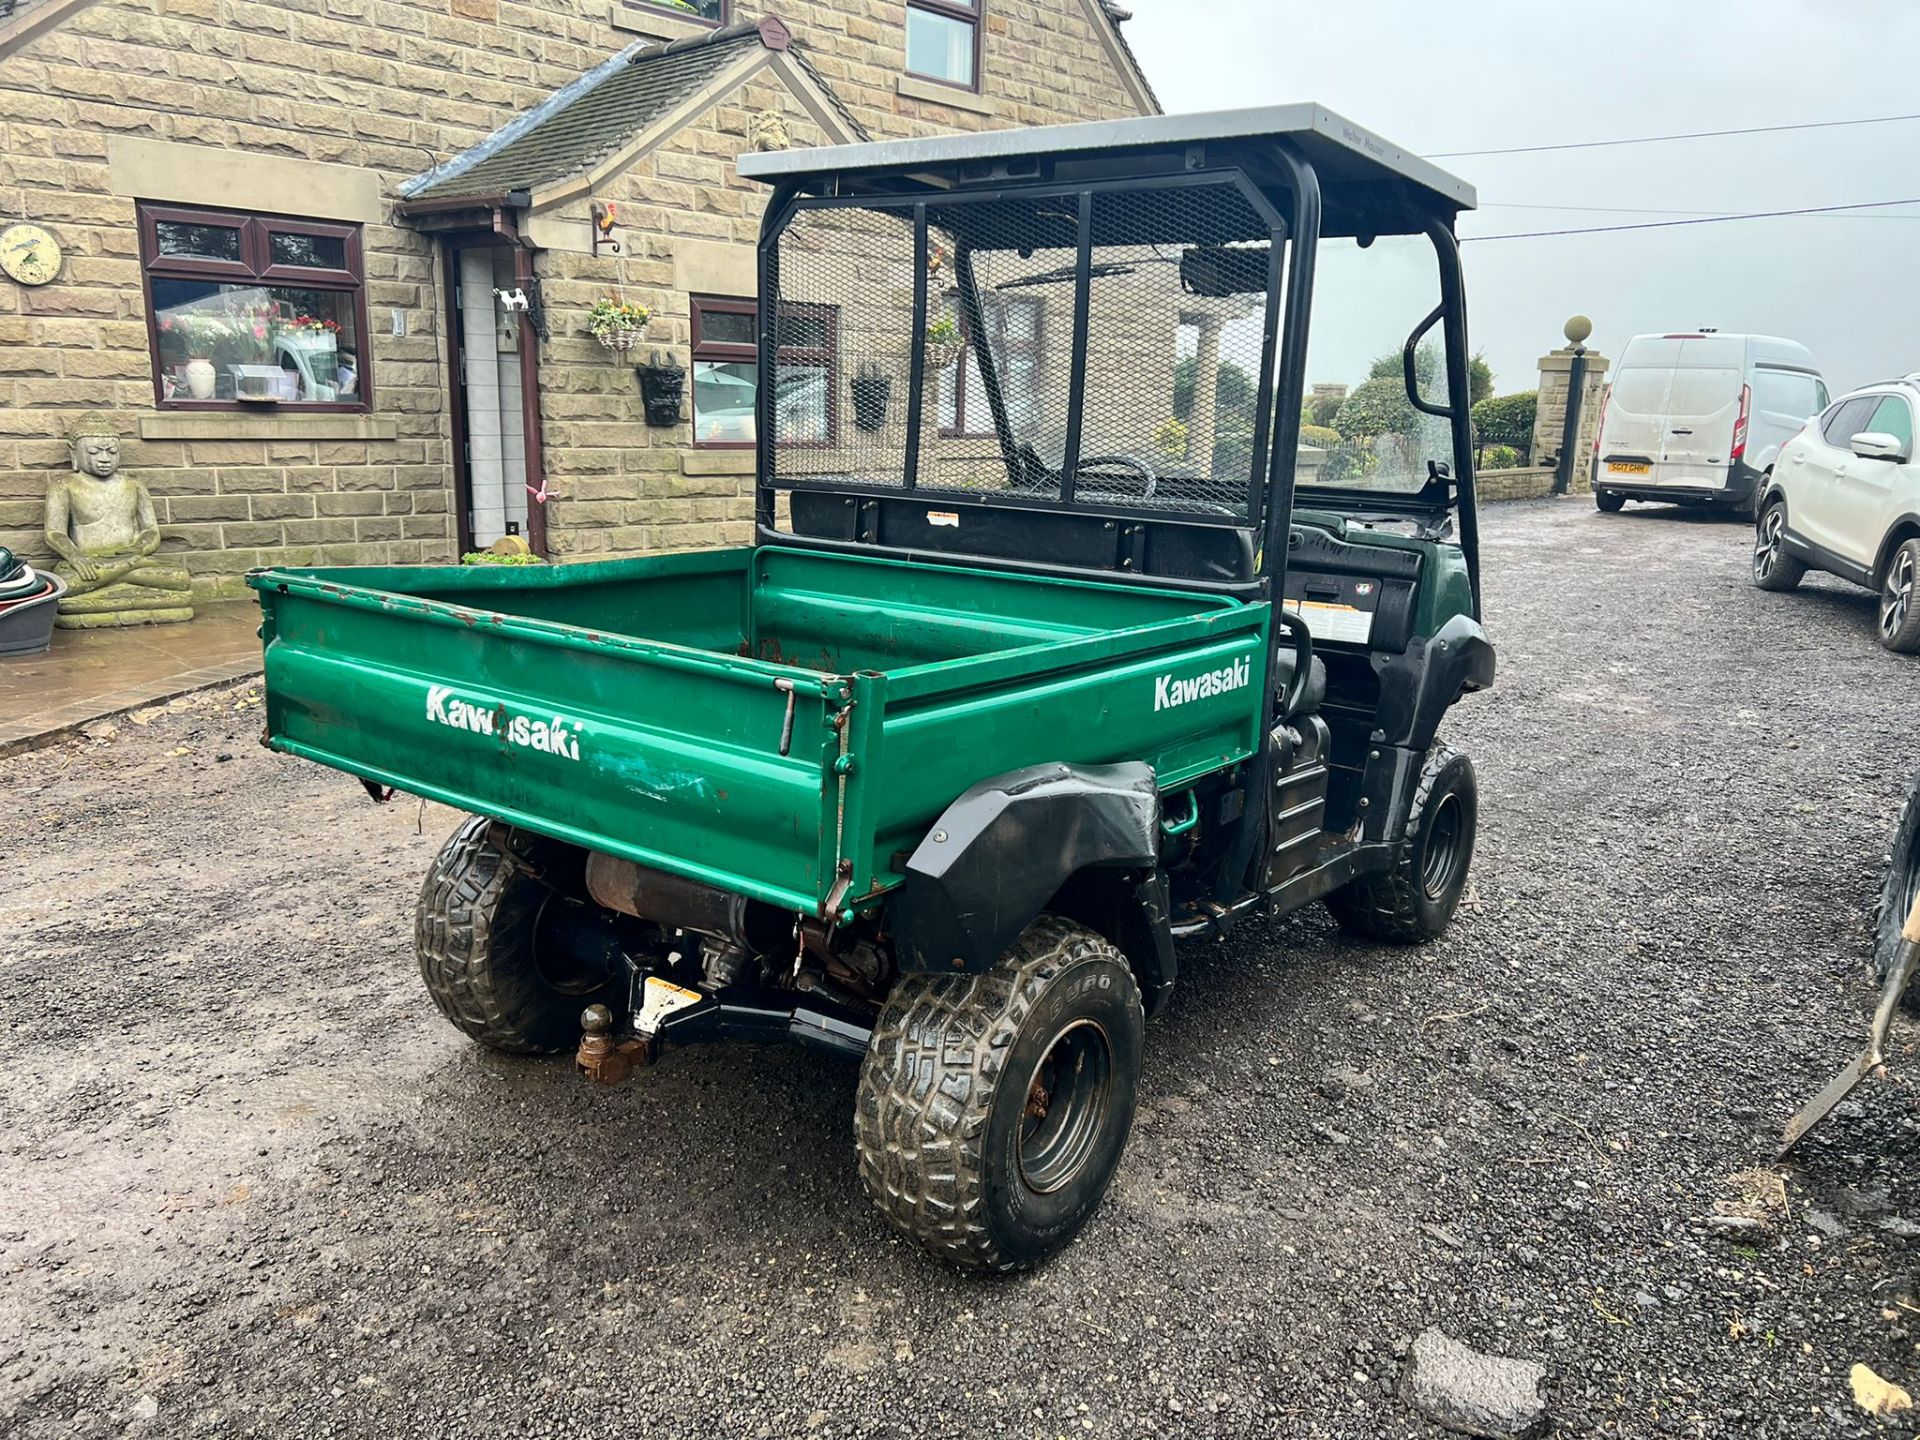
(1117, 15)
(582, 124)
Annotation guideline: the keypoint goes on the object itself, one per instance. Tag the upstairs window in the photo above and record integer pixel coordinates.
(943, 41)
(254, 311)
(700, 12)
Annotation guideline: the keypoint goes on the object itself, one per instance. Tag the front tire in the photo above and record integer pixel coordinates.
(1897, 889)
(1413, 901)
(1607, 502)
(1773, 567)
(993, 1109)
(1899, 616)
(478, 932)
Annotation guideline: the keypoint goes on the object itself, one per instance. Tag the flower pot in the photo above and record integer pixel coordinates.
(662, 387)
(200, 379)
(872, 391)
(26, 625)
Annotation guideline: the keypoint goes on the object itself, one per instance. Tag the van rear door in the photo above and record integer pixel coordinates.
(1633, 429)
(1703, 403)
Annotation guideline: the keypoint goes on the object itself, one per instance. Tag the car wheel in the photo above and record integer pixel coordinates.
(1897, 889)
(1899, 616)
(1414, 901)
(1607, 501)
(1773, 567)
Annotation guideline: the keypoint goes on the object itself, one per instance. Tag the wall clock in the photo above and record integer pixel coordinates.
(29, 254)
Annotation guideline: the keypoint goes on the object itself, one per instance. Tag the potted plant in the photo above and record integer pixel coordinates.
(617, 324)
(944, 342)
(662, 387)
(872, 391)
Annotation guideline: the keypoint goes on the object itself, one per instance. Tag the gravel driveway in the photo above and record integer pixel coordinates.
(251, 1185)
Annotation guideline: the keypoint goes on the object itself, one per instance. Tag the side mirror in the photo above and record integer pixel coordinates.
(1878, 445)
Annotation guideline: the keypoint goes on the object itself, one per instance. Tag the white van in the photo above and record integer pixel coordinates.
(1697, 418)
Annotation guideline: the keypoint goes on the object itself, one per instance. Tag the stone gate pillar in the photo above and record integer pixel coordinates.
(1550, 415)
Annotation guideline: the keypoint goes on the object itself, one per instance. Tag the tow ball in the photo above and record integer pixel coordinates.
(608, 1059)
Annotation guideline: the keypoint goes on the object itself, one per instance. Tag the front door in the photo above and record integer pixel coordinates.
(491, 460)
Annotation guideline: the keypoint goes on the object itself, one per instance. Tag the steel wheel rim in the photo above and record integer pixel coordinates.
(1898, 595)
(1067, 1100)
(1446, 833)
(1766, 550)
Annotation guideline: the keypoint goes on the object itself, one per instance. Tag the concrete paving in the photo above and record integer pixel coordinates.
(87, 674)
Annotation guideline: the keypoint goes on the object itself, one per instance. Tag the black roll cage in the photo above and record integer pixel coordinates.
(1282, 187)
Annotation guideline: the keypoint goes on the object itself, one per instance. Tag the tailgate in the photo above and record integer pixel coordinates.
(662, 754)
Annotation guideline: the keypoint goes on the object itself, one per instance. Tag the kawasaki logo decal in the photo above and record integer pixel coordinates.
(558, 736)
(1169, 690)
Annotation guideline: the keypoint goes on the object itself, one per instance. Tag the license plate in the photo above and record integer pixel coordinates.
(1628, 467)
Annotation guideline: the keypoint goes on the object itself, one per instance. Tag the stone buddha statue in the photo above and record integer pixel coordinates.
(101, 524)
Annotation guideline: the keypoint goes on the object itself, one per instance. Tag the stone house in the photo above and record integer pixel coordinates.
(329, 262)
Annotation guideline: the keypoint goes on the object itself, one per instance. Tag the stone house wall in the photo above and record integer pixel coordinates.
(320, 109)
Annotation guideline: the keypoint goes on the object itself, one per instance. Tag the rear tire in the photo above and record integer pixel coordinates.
(1897, 889)
(950, 1146)
(1414, 901)
(1899, 616)
(1607, 502)
(477, 933)
(1773, 567)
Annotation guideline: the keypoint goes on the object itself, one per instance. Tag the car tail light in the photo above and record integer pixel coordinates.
(1606, 394)
(1740, 425)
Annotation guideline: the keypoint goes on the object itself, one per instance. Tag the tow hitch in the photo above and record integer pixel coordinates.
(671, 1016)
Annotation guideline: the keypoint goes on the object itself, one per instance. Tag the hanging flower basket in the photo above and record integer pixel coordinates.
(616, 324)
(944, 343)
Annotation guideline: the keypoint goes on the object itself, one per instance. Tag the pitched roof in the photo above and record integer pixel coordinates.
(1117, 16)
(584, 123)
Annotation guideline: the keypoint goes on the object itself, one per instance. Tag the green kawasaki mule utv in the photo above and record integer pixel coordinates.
(1057, 645)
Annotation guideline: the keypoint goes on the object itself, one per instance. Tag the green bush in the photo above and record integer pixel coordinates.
(1498, 457)
(487, 557)
(1506, 420)
(1377, 407)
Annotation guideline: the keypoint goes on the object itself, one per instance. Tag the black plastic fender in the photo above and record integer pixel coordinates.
(1002, 851)
(1418, 687)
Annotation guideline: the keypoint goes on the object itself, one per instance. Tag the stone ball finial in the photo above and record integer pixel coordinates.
(92, 425)
(1578, 329)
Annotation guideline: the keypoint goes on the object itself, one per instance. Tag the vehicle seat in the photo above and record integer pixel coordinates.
(1312, 696)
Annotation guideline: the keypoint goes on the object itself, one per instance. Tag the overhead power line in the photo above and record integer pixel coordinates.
(1654, 210)
(1683, 135)
(1699, 220)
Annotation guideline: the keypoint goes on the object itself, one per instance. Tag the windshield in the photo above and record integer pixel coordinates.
(1162, 410)
(1358, 428)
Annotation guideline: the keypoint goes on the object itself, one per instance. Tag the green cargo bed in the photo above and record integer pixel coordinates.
(640, 706)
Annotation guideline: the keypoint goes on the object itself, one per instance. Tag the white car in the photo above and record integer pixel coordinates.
(1844, 497)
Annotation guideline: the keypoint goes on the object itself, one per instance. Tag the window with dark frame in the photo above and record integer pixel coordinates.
(726, 374)
(699, 12)
(252, 311)
(943, 41)
(1013, 335)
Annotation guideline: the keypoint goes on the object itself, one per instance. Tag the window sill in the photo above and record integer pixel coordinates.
(657, 24)
(937, 92)
(716, 462)
(232, 425)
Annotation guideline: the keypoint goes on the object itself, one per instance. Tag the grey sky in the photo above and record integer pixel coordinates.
(1499, 73)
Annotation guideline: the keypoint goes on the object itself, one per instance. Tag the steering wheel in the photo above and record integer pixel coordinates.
(1302, 658)
(1130, 462)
